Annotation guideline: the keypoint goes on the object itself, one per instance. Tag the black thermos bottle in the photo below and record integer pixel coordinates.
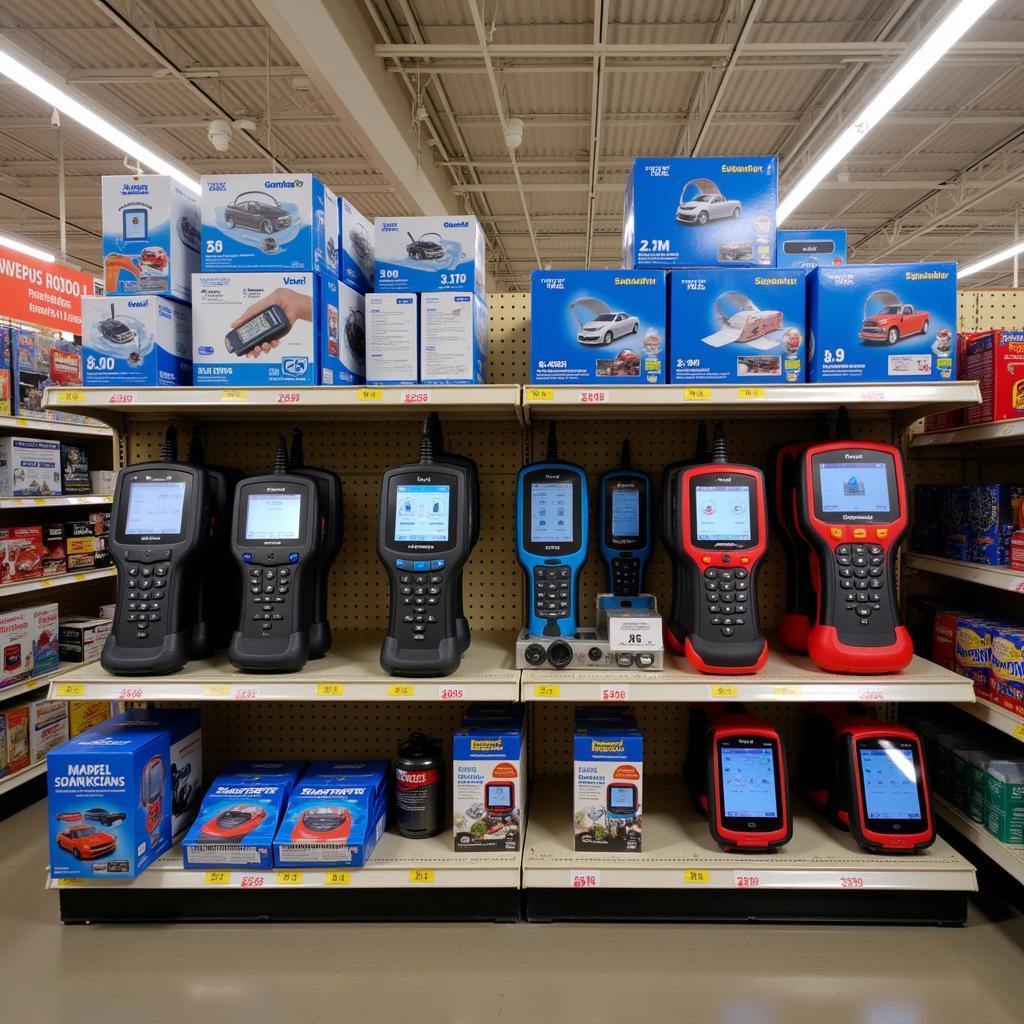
(419, 787)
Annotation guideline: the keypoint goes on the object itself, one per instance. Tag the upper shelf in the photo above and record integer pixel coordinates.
(995, 576)
(1009, 432)
(51, 502)
(20, 424)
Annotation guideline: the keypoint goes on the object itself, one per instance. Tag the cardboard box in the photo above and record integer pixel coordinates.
(88, 542)
(993, 510)
(700, 212)
(943, 645)
(974, 650)
(55, 557)
(136, 342)
(84, 714)
(74, 469)
(883, 322)
(598, 327)
(453, 338)
(42, 361)
(29, 467)
(996, 360)
(22, 554)
(16, 728)
(103, 481)
(221, 300)
(736, 326)
(150, 236)
(430, 254)
(954, 530)
(81, 638)
(3, 744)
(47, 727)
(1004, 801)
(824, 247)
(355, 239)
(6, 388)
(1017, 550)
(960, 773)
(28, 637)
(268, 223)
(392, 338)
(342, 355)
(1006, 663)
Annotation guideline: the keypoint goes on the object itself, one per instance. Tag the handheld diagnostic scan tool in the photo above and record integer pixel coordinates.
(263, 327)
(552, 515)
(722, 539)
(275, 538)
(329, 495)
(851, 506)
(870, 777)
(160, 528)
(625, 526)
(424, 537)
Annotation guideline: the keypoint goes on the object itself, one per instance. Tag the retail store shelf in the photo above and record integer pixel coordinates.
(985, 575)
(786, 678)
(482, 401)
(35, 683)
(1009, 432)
(20, 424)
(351, 671)
(1009, 858)
(669, 400)
(999, 718)
(64, 580)
(11, 782)
(77, 499)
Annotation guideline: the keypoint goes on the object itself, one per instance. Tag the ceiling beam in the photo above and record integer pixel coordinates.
(898, 185)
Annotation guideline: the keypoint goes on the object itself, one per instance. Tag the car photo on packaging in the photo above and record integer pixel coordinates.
(423, 249)
(84, 842)
(105, 817)
(705, 204)
(599, 324)
(258, 211)
(893, 321)
(233, 823)
(323, 825)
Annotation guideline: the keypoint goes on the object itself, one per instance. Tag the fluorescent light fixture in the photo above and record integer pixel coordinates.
(53, 96)
(920, 62)
(7, 242)
(991, 260)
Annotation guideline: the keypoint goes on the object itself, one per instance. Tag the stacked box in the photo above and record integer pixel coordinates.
(977, 769)
(356, 238)
(22, 553)
(29, 643)
(87, 542)
(41, 361)
(15, 728)
(1004, 801)
(944, 638)
(47, 727)
(55, 556)
(974, 650)
(84, 714)
(993, 511)
(960, 773)
(74, 469)
(995, 359)
(954, 531)
(29, 467)
(392, 338)
(342, 353)
(429, 254)
(1006, 667)
(453, 338)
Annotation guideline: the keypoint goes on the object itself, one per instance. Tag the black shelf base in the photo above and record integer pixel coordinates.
(22, 796)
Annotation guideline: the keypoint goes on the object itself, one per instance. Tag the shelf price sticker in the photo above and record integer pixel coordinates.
(252, 881)
(216, 690)
(245, 693)
(748, 394)
(451, 692)
(592, 397)
(745, 880)
(120, 398)
(289, 878)
(70, 690)
(540, 394)
(696, 394)
(614, 693)
(725, 691)
(696, 876)
(130, 693)
(1018, 733)
(872, 693)
(338, 878)
(330, 689)
(370, 395)
(543, 690)
(851, 881)
(401, 690)
(791, 690)
(216, 878)
(64, 883)
(584, 879)
(234, 395)
(415, 398)
(68, 395)
(421, 876)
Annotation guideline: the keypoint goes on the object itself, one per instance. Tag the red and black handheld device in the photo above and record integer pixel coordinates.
(722, 540)
(851, 504)
(869, 777)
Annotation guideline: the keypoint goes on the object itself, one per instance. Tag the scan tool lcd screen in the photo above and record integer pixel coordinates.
(155, 507)
(273, 517)
(421, 512)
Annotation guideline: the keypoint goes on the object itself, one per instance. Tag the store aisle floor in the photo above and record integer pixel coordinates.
(271, 974)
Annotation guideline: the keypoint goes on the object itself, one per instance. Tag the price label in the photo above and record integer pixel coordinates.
(130, 693)
(121, 398)
(330, 689)
(592, 397)
(217, 878)
(288, 397)
(584, 879)
(338, 878)
(725, 691)
(851, 881)
(696, 876)
(546, 690)
(871, 694)
(639, 634)
(696, 394)
(421, 876)
(245, 693)
(614, 693)
(65, 883)
(415, 397)
(750, 393)
(46, 583)
(402, 690)
(1019, 587)
(79, 576)
(234, 395)
(253, 881)
(68, 395)
(216, 690)
(1018, 733)
(451, 692)
(38, 501)
(874, 395)
(540, 394)
(746, 881)
(787, 691)
(289, 878)
(71, 689)
(370, 395)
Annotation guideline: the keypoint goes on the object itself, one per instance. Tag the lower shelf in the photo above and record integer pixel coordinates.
(1009, 858)
(21, 788)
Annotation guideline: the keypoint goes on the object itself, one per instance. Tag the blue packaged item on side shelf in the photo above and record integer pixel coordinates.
(6, 382)
(429, 254)
(825, 247)
(926, 519)
(954, 529)
(992, 515)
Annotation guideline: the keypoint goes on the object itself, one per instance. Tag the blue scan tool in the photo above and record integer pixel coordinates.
(551, 539)
(625, 526)
(135, 224)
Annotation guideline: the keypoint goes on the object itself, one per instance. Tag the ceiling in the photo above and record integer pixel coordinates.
(334, 86)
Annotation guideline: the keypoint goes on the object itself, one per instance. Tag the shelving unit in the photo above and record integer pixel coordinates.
(1009, 858)
(64, 580)
(999, 718)
(62, 502)
(985, 575)
(20, 424)
(21, 788)
(1000, 432)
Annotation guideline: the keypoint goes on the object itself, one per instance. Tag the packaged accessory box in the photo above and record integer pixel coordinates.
(87, 542)
(41, 361)
(6, 384)
(598, 326)
(84, 714)
(28, 643)
(453, 338)
(342, 335)
(150, 235)
(429, 254)
(74, 469)
(29, 467)
(47, 727)
(1004, 800)
(269, 222)
(735, 325)
(356, 239)
(139, 341)
(995, 359)
(15, 726)
(825, 247)
(81, 638)
(22, 553)
(700, 212)
(876, 323)
(392, 338)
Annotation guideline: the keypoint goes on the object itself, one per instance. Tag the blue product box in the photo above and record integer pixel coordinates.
(954, 532)
(700, 212)
(735, 325)
(429, 254)
(150, 236)
(392, 338)
(882, 322)
(333, 819)
(598, 326)
(269, 222)
(453, 338)
(6, 383)
(355, 237)
(342, 333)
(992, 515)
(138, 341)
(825, 247)
(926, 518)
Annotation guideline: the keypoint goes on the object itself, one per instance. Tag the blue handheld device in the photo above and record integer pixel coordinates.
(552, 516)
(626, 521)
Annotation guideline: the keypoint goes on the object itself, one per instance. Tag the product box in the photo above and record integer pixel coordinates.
(429, 254)
(608, 773)
(3, 744)
(700, 212)
(55, 558)
(42, 361)
(943, 641)
(136, 342)
(1017, 550)
(268, 222)
(81, 638)
(103, 481)
(993, 510)
(29, 467)
(87, 542)
(356, 244)
(1004, 801)
(954, 531)
(1006, 664)
(150, 236)
(453, 338)
(376, 769)
(16, 728)
(47, 727)
(974, 650)
(6, 388)
(248, 302)
(22, 554)
(959, 772)
(489, 779)
(342, 354)
(977, 785)
(28, 637)
(84, 714)
(734, 325)
(392, 338)
(333, 819)
(996, 360)
(74, 469)
(924, 530)
(808, 249)
(598, 327)
(882, 322)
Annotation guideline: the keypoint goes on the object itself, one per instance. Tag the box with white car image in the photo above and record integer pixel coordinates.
(598, 326)
(429, 254)
(737, 325)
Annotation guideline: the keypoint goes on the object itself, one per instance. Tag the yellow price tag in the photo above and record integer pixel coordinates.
(370, 395)
(696, 394)
(289, 878)
(39, 501)
(402, 690)
(546, 690)
(337, 878)
(750, 392)
(217, 878)
(787, 691)
(540, 394)
(234, 395)
(1019, 732)
(67, 395)
(64, 883)
(46, 583)
(725, 691)
(421, 876)
(79, 576)
(330, 690)
(696, 876)
(217, 690)
(71, 689)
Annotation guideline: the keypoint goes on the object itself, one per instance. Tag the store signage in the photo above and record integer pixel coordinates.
(43, 294)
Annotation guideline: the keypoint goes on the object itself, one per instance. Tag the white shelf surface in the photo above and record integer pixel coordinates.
(351, 671)
(395, 863)
(679, 853)
(20, 424)
(64, 580)
(1009, 858)
(479, 401)
(13, 781)
(998, 577)
(786, 677)
(999, 718)
(1009, 432)
(71, 499)
(659, 401)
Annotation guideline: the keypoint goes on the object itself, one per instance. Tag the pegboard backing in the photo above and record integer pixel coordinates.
(999, 308)
(508, 342)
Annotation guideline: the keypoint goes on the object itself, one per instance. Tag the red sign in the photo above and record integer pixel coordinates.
(43, 294)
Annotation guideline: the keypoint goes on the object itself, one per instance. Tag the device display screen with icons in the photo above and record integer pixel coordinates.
(267, 325)
(722, 513)
(270, 516)
(626, 528)
(623, 800)
(499, 798)
(855, 483)
(155, 507)
(422, 513)
(750, 781)
(891, 780)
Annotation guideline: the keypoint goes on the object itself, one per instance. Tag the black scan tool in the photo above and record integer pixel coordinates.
(269, 325)
(275, 536)
(625, 526)
(329, 493)
(160, 528)
(423, 540)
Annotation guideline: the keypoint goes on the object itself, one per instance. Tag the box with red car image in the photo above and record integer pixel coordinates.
(28, 643)
(995, 359)
(335, 816)
(239, 815)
